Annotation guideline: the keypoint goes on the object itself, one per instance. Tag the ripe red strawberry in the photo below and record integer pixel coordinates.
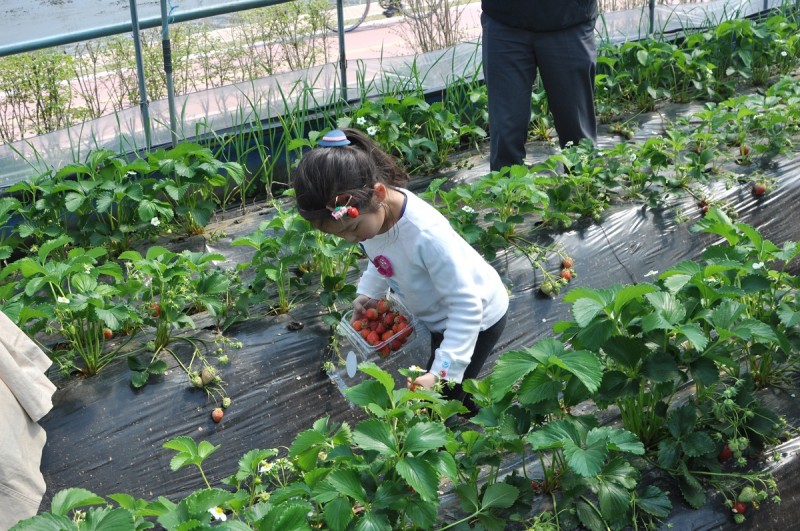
(217, 414)
(385, 351)
(567, 262)
(566, 274)
(383, 306)
(744, 149)
(381, 328)
(725, 454)
(371, 314)
(155, 309)
(373, 338)
(388, 319)
(107, 333)
(357, 326)
(404, 331)
(397, 344)
(739, 507)
(759, 188)
(387, 335)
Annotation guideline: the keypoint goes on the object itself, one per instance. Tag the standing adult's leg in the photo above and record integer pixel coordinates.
(567, 64)
(509, 70)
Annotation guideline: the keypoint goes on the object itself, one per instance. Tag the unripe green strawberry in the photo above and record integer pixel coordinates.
(748, 495)
(226, 402)
(547, 288)
(208, 375)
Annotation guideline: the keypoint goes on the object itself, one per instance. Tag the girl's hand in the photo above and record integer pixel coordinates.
(426, 380)
(360, 305)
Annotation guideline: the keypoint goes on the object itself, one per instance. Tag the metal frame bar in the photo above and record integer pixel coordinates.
(125, 27)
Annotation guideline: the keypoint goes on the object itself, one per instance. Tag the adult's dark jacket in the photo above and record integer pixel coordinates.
(540, 15)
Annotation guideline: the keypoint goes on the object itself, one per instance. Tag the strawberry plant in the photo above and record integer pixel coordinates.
(489, 212)
(109, 200)
(529, 396)
(169, 287)
(68, 297)
(8, 207)
(282, 245)
(333, 259)
(757, 307)
(420, 134)
(189, 174)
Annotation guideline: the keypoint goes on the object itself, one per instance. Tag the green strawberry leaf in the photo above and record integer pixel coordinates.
(338, 514)
(66, 500)
(347, 482)
(420, 475)
(374, 434)
(499, 496)
(654, 502)
(425, 436)
(509, 368)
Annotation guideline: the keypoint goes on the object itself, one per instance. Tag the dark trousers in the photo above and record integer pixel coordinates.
(483, 348)
(566, 61)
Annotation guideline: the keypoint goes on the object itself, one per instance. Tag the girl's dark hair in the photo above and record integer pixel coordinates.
(334, 176)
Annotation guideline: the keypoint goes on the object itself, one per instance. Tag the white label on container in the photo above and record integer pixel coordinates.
(352, 364)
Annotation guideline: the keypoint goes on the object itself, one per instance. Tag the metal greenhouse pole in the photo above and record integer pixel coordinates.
(137, 46)
(166, 48)
(342, 50)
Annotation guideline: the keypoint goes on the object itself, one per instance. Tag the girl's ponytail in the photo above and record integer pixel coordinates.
(390, 171)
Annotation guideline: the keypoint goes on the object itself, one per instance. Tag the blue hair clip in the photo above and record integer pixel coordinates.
(335, 138)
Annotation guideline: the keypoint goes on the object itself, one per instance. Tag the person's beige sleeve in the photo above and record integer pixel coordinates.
(25, 397)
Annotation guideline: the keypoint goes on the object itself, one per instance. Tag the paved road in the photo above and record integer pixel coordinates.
(387, 37)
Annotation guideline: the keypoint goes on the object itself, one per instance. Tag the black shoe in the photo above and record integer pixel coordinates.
(390, 11)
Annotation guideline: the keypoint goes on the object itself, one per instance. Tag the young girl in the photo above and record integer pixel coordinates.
(349, 187)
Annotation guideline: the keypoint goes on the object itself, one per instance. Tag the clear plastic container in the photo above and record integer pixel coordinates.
(385, 347)
(354, 349)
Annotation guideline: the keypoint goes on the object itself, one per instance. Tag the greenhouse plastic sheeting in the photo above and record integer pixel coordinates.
(106, 437)
(230, 106)
(221, 109)
(80, 16)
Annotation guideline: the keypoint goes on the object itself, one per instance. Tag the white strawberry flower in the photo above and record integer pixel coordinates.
(218, 513)
(62, 300)
(372, 130)
(265, 467)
